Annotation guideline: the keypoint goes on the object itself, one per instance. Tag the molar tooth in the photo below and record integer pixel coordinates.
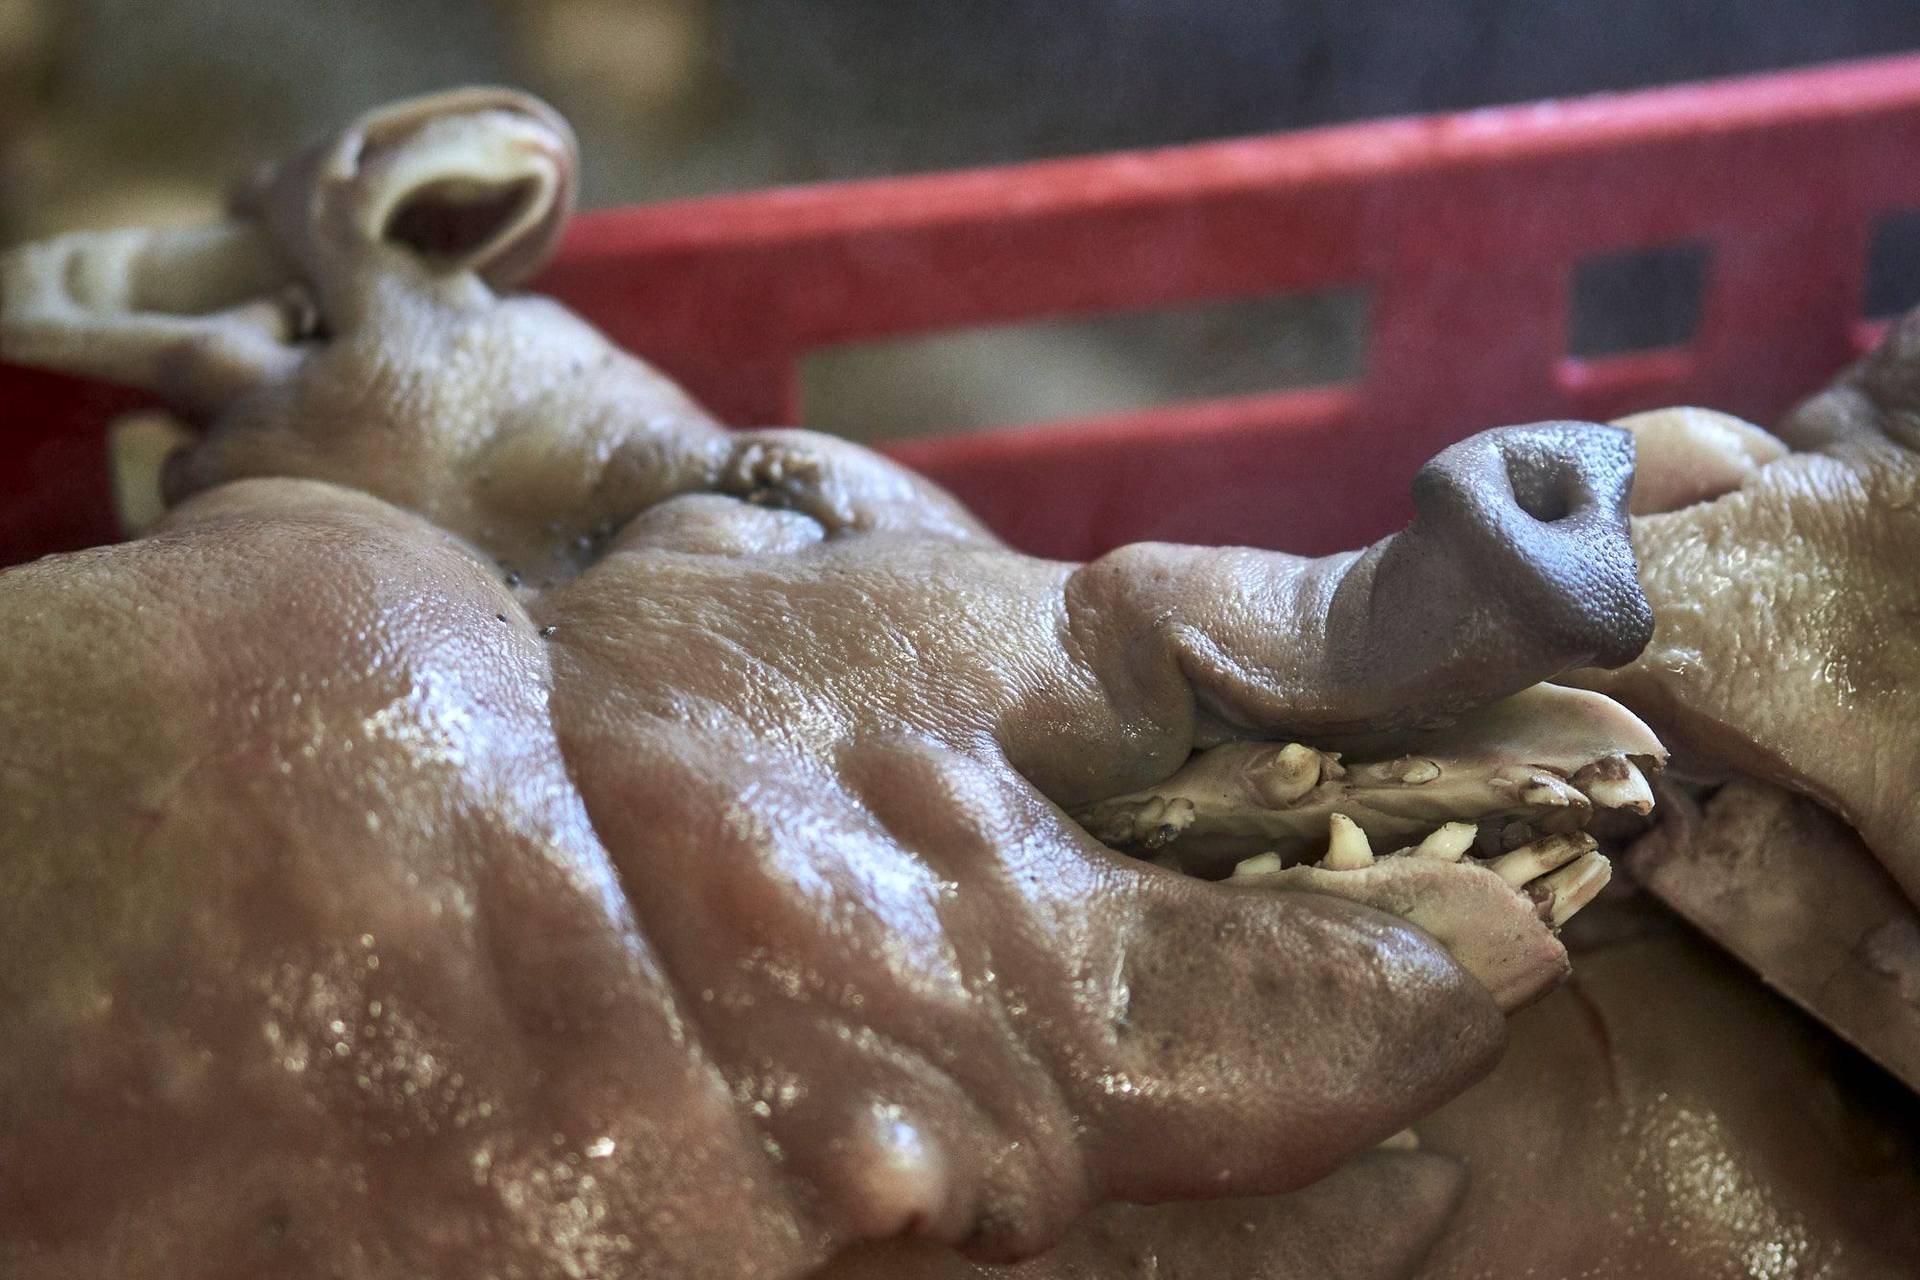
(1347, 846)
(1170, 818)
(1415, 771)
(1448, 843)
(1286, 775)
(1260, 864)
(1615, 782)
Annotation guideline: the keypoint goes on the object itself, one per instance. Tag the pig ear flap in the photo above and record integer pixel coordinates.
(475, 180)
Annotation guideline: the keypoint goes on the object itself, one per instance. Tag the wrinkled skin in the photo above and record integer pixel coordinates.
(1787, 653)
(779, 968)
(498, 824)
(1786, 646)
(1663, 1114)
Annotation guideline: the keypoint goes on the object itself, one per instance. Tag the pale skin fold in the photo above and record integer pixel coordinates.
(499, 823)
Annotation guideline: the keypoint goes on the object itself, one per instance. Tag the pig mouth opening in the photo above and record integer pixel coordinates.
(1549, 763)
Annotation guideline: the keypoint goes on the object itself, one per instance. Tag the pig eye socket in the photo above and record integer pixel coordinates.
(457, 221)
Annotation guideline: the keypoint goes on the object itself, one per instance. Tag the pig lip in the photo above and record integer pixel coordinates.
(1546, 761)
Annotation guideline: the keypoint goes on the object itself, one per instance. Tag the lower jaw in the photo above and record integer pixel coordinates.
(1791, 891)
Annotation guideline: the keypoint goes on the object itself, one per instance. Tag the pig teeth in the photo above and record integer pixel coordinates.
(1574, 886)
(1531, 861)
(1405, 1140)
(1448, 843)
(1545, 791)
(1347, 846)
(1287, 775)
(1415, 771)
(1615, 782)
(1260, 864)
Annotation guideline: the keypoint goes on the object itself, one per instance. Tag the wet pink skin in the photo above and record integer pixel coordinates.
(651, 857)
(778, 947)
(1661, 1114)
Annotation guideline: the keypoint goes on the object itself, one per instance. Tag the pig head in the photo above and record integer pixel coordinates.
(500, 823)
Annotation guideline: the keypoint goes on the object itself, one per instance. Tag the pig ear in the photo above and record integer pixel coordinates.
(476, 180)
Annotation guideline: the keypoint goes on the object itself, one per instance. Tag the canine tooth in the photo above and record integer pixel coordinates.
(1615, 782)
(1260, 864)
(1448, 843)
(1545, 791)
(1285, 776)
(1531, 861)
(1347, 846)
(1574, 886)
(1405, 1140)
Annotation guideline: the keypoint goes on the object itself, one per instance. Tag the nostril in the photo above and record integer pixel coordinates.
(1544, 507)
(1546, 493)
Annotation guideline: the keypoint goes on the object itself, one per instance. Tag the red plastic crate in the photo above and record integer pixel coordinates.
(1465, 230)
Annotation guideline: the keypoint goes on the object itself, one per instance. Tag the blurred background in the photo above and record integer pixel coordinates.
(122, 111)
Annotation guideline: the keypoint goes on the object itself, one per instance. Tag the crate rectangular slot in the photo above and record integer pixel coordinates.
(1465, 230)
